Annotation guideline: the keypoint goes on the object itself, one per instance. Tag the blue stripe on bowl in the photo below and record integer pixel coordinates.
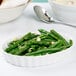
(40, 0)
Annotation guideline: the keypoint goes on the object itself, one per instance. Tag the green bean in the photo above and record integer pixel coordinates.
(53, 36)
(70, 42)
(42, 31)
(33, 48)
(13, 51)
(46, 33)
(48, 40)
(51, 50)
(56, 44)
(59, 45)
(39, 43)
(29, 36)
(59, 36)
(20, 50)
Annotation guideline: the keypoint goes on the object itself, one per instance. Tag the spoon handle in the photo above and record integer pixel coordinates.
(58, 22)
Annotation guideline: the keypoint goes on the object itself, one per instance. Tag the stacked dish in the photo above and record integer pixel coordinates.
(11, 9)
(64, 10)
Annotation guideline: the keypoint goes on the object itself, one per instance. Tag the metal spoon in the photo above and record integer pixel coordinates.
(43, 16)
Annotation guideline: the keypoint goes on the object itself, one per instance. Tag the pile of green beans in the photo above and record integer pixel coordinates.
(32, 44)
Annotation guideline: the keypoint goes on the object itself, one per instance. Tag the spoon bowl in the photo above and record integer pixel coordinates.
(42, 14)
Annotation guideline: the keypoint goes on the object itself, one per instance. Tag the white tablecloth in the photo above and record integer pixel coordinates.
(18, 27)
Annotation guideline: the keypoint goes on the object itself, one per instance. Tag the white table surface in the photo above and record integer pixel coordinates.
(19, 26)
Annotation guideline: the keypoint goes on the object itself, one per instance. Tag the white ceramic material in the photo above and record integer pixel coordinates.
(10, 13)
(35, 61)
(64, 13)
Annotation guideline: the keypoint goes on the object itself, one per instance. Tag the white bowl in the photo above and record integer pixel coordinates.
(35, 61)
(11, 13)
(63, 13)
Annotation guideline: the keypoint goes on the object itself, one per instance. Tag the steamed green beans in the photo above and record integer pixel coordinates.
(49, 50)
(59, 36)
(15, 43)
(32, 44)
